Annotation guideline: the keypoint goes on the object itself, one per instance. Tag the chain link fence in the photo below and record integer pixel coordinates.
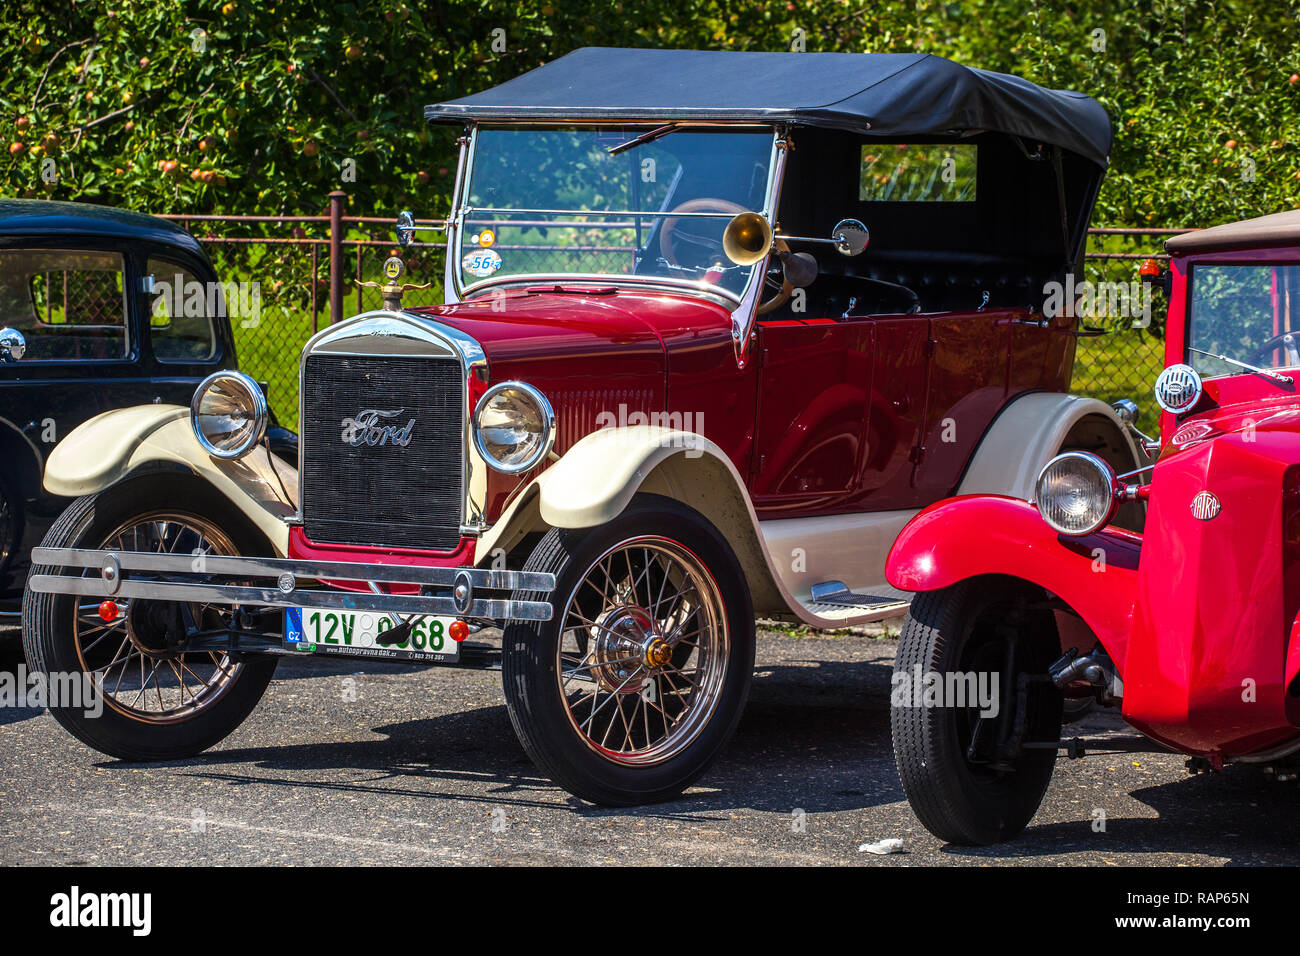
(290, 259)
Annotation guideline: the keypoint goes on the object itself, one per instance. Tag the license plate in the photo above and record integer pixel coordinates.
(354, 633)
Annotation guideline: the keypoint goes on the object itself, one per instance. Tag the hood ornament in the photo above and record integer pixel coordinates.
(394, 269)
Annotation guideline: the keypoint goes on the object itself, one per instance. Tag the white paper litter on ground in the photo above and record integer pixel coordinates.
(890, 845)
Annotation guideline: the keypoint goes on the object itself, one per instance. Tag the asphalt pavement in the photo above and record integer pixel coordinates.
(378, 763)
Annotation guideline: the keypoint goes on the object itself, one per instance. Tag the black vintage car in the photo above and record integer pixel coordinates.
(99, 309)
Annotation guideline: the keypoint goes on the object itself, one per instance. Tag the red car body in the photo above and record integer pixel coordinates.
(1199, 615)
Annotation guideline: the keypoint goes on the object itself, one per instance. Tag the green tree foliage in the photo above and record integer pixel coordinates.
(255, 108)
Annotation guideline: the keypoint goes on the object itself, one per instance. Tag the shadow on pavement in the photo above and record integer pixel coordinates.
(787, 753)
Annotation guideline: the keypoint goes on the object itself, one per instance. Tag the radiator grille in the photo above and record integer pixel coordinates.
(407, 496)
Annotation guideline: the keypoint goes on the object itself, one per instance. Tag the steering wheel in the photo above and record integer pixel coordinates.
(668, 232)
(773, 280)
(1284, 340)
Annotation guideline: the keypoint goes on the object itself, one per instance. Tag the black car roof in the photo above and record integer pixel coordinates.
(884, 94)
(47, 217)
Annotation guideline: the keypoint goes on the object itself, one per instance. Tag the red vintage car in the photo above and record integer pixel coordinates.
(717, 325)
(1192, 628)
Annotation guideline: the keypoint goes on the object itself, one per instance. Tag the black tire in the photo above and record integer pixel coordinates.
(965, 628)
(11, 521)
(532, 654)
(48, 629)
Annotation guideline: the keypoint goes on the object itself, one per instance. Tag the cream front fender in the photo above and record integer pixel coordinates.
(1032, 430)
(117, 444)
(596, 478)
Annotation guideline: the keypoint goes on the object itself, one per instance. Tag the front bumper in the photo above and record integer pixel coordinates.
(468, 592)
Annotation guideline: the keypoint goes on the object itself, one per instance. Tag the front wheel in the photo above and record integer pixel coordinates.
(974, 717)
(156, 699)
(637, 682)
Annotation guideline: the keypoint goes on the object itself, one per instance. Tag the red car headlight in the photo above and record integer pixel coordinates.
(1077, 493)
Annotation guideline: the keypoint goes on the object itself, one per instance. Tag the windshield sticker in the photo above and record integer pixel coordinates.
(484, 238)
(481, 262)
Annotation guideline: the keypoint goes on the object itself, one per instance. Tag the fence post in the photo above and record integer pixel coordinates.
(337, 198)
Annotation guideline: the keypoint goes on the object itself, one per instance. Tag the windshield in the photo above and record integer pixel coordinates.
(556, 201)
(1245, 312)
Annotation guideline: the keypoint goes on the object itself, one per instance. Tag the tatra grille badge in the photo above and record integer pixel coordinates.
(368, 428)
(1205, 506)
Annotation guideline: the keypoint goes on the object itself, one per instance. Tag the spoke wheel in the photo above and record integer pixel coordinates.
(643, 651)
(155, 698)
(638, 680)
(146, 673)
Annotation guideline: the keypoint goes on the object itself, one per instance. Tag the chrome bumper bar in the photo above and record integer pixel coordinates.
(456, 592)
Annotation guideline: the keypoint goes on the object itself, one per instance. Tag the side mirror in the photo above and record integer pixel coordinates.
(851, 237)
(12, 345)
(405, 228)
(1152, 274)
(1126, 410)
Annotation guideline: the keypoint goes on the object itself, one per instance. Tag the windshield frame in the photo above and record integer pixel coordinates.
(455, 291)
(1279, 258)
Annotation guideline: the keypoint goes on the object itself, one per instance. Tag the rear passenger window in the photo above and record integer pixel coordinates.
(69, 306)
(180, 314)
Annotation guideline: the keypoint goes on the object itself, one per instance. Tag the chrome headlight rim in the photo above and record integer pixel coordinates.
(548, 424)
(1107, 479)
(257, 401)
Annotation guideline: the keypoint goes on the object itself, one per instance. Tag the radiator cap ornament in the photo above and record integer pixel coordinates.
(394, 268)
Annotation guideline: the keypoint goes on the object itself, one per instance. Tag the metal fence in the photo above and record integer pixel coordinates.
(309, 270)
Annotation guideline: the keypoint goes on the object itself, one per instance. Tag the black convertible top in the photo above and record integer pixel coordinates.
(884, 94)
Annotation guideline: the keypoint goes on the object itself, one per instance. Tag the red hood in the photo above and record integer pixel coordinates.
(559, 323)
(1280, 414)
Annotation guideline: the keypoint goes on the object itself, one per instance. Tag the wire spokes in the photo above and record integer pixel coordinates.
(138, 656)
(643, 648)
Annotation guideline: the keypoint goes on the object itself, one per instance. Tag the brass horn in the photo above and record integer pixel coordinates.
(747, 238)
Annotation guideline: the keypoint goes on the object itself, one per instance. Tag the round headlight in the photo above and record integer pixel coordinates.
(514, 427)
(228, 414)
(1076, 493)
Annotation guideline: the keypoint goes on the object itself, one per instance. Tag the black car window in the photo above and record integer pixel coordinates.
(69, 305)
(180, 315)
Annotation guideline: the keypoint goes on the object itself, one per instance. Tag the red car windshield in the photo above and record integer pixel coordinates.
(595, 201)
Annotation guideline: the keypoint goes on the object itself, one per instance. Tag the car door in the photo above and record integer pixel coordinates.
(72, 305)
(814, 383)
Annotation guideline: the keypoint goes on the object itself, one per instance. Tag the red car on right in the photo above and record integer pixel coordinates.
(1191, 628)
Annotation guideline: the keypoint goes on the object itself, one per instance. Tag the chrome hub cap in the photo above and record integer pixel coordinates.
(626, 639)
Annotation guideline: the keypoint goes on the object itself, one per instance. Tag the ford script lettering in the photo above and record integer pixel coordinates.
(367, 429)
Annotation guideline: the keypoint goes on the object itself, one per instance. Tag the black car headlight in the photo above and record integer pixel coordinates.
(229, 414)
(514, 427)
(1077, 493)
